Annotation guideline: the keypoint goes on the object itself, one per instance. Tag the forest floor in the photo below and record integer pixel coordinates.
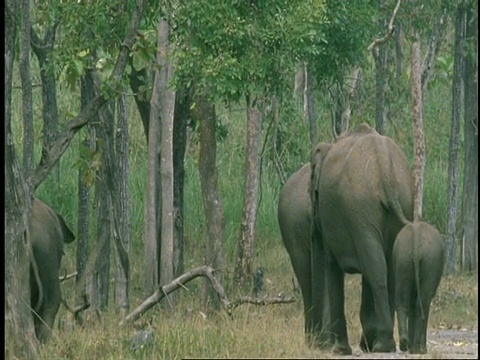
(459, 343)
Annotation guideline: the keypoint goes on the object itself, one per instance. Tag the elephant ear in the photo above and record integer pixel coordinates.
(68, 236)
(317, 158)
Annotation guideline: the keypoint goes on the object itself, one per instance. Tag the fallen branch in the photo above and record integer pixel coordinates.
(205, 271)
(262, 301)
(67, 277)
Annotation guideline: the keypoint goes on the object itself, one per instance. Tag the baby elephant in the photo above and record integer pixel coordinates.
(418, 259)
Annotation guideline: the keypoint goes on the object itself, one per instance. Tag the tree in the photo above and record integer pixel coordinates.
(470, 188)
(212, 200)
(166, 148)
(418, 132)
(453, 166)
(20, 340)
(26, 78)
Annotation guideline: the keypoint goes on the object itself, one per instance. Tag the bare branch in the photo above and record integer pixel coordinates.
(67, 277)
(383, 40)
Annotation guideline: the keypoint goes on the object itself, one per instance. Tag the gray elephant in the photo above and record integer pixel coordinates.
(362, 195)
(48, 233)
(418, 260)
(294, 218)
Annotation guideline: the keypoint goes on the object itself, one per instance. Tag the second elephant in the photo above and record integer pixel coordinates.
(418, 260)
(48, 233)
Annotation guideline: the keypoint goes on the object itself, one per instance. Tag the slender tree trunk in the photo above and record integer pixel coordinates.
(432, 52)
(470, 188)
(121, 201)
(182, 114)
(418, 131)
(399, 50)
(85, 181)
(166, 151)
(212, 201)
(380, 88)
(453, 167)
(104, 210)
(43, 50)
(309, 103)
(352, 89)
(20, 340)
(152, 245)
(137, 80)
(26, 78)
(299, 86)
(245, 253)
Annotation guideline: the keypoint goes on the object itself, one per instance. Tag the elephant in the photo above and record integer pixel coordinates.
(294, 218)
(418, 260)
(48, 233)
(362, 195)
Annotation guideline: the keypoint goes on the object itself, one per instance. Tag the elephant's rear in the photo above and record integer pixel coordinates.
(48, 233)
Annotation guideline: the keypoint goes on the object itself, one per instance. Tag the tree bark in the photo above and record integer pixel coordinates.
(42, 49)
(418, 131)
(121, 201)
(85, 181)
(212, 200)
(453, 166)
(309, 103)
(244, 263)
(20, 340)
(166, 152)
(470, 188)
(26, 79)
(152, 243)
(182, 114)
(399, 50)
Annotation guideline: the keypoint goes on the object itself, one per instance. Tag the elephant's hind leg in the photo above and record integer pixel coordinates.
(367, 318)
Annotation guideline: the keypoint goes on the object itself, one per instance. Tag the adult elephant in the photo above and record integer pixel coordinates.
(362, 195)
(294, 218)
(48, 233)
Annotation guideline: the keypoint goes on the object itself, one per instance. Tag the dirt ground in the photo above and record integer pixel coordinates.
(460, 343)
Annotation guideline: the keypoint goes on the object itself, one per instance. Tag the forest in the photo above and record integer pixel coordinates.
(161, 133)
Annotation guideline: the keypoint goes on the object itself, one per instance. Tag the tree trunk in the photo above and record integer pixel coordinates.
(137, 80)
(152, 245)
(182, 114)
(470, 188)
(121, 201)
(85, 181)
(399, 50)
(166, 152)
(43, 51)
(309, 103)
(453, 166)
(418, 131)
(244, 261)
(299, 86)
(26, 78)
(212, 200)
(379, 56)
(104, 210)
(20, 340)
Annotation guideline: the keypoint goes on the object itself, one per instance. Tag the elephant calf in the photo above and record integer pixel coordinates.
(48, 233)
(418, 259)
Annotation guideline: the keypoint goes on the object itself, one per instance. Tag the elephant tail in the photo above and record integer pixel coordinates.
(416, 266)
(393, 203)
